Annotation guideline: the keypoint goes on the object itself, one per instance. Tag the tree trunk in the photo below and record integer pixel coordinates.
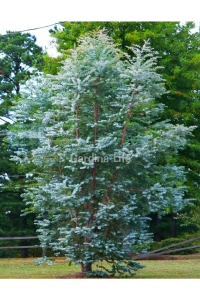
(157, 232)
(24, 252)
(173, 225)
(86, 267)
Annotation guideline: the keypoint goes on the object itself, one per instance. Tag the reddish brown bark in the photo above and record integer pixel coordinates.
(77, 130)
(127, 117)
(128, 114)
(94, 170)
(96, 117)
(86, 267)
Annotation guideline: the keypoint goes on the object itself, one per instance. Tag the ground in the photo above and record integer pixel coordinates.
(77, 275)
(80, 275)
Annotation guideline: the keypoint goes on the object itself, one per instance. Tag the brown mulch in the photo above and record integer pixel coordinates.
(77, 275)
(80, 275)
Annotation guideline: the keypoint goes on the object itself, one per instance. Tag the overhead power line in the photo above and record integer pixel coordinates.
(30, 29)
(40, 27)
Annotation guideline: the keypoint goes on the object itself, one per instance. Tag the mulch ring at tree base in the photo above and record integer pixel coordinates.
(80, 275)
(76, 275)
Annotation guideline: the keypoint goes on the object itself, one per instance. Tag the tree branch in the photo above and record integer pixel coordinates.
(127, 117)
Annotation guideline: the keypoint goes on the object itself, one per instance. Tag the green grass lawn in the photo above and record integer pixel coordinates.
(15, 268)
(25, 268)
(170, 269)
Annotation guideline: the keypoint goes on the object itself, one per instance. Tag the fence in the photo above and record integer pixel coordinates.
(157, 252)
(22, 247)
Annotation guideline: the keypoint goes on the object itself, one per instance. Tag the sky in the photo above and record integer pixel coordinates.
(23, 14)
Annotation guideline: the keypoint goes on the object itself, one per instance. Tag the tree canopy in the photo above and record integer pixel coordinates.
(102, 158)
(177, 45)
(20, 59)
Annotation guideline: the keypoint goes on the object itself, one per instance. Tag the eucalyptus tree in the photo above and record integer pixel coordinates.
(178, 47)
(99, 156)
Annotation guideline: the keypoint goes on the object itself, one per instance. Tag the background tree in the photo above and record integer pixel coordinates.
(104, 159)
(52, 65)
(20, 59)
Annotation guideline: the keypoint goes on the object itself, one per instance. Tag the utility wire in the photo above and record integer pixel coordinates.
(13, 32)
(40, 27)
